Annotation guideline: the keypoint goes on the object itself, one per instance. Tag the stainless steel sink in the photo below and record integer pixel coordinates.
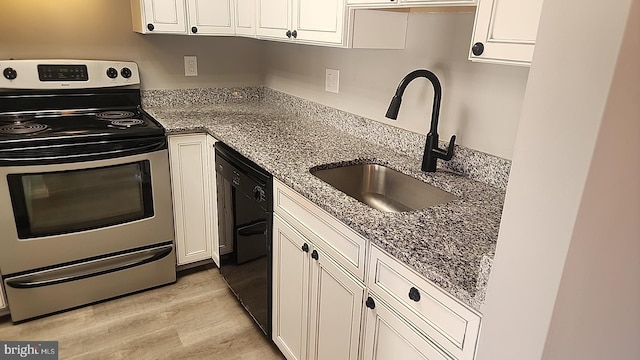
(383, 188)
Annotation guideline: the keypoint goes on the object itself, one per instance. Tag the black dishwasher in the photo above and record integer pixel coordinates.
(245, 220)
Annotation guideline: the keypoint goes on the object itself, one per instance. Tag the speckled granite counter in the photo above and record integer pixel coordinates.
(450, 244)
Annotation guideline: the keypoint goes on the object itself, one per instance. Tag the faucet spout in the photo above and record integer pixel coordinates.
(431, 151)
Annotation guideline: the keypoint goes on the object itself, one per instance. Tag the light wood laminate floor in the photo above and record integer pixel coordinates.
(196, 318)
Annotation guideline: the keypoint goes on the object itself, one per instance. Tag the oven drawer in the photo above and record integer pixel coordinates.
(48, 291)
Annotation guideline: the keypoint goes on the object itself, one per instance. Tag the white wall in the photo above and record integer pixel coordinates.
(597, 311)
(565, 273)
(481, 102)
(101, 29)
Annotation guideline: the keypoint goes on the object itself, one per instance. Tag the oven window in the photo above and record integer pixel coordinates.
(53, 203)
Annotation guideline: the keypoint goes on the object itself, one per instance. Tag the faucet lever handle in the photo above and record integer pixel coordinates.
(449, 153)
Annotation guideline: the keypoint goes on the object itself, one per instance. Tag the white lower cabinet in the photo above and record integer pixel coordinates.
(317, 305)
(212, 199)
(194, 199)
(319, 269)
(442, 321)
(3, 303)
(388, 336)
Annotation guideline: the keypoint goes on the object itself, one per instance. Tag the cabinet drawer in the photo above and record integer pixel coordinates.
(442, 318)
(330, 235)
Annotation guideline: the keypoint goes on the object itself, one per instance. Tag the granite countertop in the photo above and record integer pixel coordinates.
(450, 244)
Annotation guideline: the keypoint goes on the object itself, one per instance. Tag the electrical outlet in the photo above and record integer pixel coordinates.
(332, 80)
(190, 66)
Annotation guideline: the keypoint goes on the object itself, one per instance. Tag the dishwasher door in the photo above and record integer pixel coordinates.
(245, 230)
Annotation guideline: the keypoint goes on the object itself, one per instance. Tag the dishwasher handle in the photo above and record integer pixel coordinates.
(256, 228)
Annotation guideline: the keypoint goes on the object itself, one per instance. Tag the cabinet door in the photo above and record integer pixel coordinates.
(386, 3)
(437, 2)
(274, 18)
(319, 20)
(3, 304)
(165, 16)
(335, 311)
(387, 336)
(212, 219)
(505, 31)
(211, 17)
(246, 18)
(290, 290)
(189, 182)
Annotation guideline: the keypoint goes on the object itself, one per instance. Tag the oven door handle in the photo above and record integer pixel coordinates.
(99, 150)
(148, 256)
(130, 150)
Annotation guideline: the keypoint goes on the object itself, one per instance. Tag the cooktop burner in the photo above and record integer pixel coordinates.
(22, 129)
(17, 118)
(127, 122)
(115, 114)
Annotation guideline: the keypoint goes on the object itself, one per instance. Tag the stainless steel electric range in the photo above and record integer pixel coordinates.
(85, 198)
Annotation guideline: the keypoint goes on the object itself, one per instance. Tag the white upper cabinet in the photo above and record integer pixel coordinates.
(409, 3)
(316, 22)
(330, 23)
(505, 31)
(211, 17)
(372, 2)
(319, 20)
(436, 2)
(302, 20)
(161, 16)
(245, 18)
(274, 18)
(196, 17)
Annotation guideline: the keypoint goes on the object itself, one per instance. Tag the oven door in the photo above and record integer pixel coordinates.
(61, 213)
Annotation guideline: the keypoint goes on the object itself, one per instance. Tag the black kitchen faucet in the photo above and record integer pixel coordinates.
(431, 150)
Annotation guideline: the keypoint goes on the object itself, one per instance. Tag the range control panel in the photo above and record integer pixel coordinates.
(60, 74)
(63, 73)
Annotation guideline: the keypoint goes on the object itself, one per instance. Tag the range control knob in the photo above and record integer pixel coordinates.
(258, 194)
(125, 72)
(112, 73)
(10, 73)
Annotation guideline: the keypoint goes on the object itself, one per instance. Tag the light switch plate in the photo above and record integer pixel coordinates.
(332, 80)
(190, 66)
